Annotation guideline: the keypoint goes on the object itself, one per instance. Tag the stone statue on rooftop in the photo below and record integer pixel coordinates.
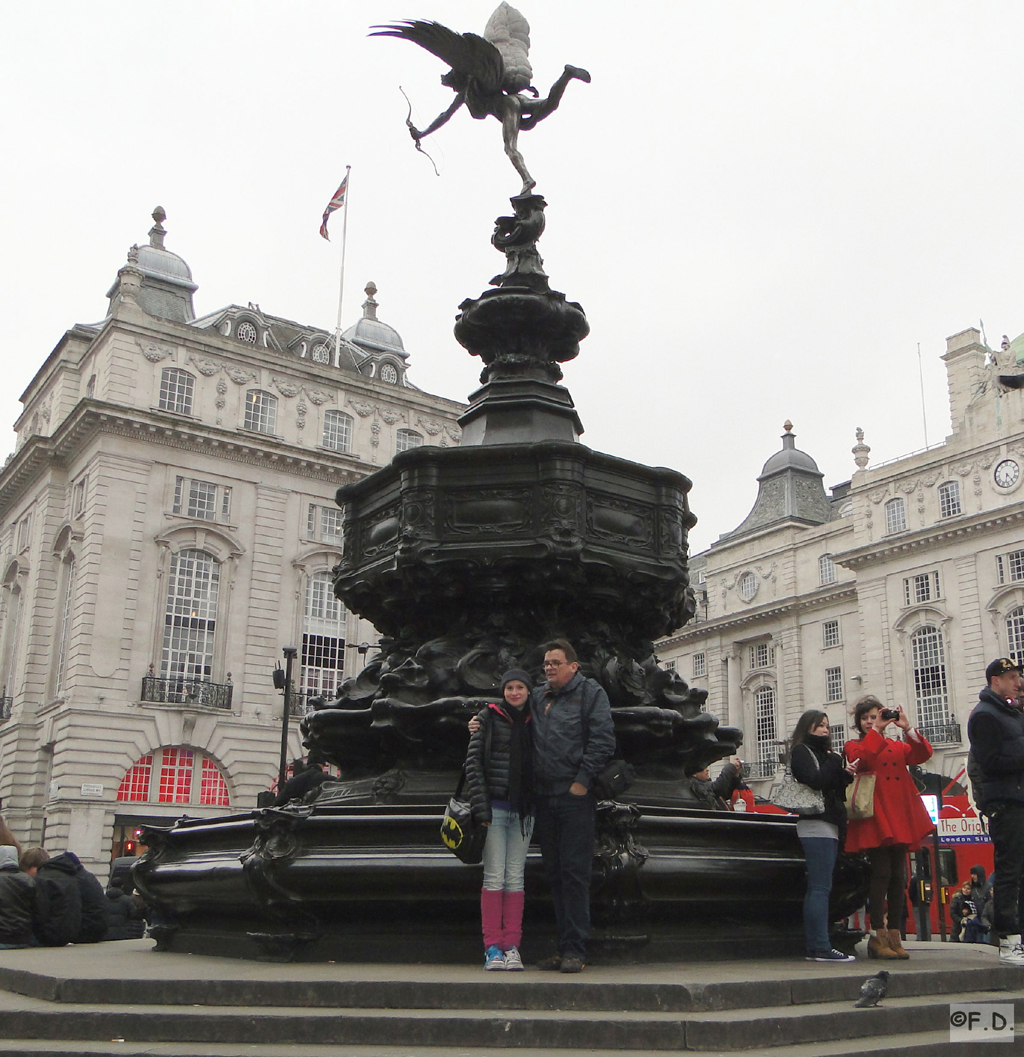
(491, 75)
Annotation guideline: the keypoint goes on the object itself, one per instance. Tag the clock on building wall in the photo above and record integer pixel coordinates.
(1006, 473)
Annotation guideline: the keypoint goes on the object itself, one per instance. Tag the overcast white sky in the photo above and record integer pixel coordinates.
(762, 206)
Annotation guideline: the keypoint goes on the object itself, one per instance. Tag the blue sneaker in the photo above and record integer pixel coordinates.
(494, 959)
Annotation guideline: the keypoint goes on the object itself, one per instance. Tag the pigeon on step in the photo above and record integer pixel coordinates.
(872, 991)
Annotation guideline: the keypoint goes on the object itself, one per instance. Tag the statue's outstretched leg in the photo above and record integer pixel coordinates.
(535, 111)
(510, 117)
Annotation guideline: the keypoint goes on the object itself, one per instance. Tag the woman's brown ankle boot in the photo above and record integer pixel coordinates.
(878, 946)
(896, 944)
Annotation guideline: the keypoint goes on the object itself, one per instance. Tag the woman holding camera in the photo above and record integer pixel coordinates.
(813, 764)
(899, 823)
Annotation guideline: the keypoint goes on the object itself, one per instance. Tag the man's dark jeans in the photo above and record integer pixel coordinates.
(1006, 828)
(565, 832)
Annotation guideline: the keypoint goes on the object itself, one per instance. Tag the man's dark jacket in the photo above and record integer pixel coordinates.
(17, 905)
(73, 905)
(573, 735)
(996, 733)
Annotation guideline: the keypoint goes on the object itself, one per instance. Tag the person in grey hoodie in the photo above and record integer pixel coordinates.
(573, 740)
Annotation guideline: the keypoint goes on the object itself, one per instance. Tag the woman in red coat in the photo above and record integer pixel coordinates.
(900, 822)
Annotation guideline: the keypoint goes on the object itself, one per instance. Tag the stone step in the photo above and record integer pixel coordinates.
(918, 1044)
(597, 990)
(757, 1029)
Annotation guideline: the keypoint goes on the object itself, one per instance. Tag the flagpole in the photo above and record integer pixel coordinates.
(341, 281)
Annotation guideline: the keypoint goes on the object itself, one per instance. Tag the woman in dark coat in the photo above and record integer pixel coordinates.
(814, 764)
(499, 772)
(18, 913)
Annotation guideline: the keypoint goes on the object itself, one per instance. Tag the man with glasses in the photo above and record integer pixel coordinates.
(573, 740)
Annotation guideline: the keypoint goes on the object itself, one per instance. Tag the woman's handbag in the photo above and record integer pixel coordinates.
(794, 796)
(459, 833)
(860, 797)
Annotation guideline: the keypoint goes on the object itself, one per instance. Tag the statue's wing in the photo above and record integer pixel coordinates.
(465, 53)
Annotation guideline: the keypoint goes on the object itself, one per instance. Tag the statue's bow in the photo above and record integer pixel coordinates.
(415, 134)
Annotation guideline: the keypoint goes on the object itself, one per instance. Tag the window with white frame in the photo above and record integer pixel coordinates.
(669, 666)
(389, 373)
(766, 726)
(829, 633)
(929, 658)
(700, 665)
(203, 500)
(64, 626)
(246, 332)
(949, 499)
(11, 631)
(260, 411)
(406, 439)
(325, 524)
(702, 577)
(895, 515)
(323, 638)
(176, 389)
(1015, 634)
(826, 570)
(762, 655)
(834, 684)
(1010, 567)
(90, 386)
(748, 586)
(921, 587)
(79, 495)
(190, 618)
(337, 431)
(837, 735)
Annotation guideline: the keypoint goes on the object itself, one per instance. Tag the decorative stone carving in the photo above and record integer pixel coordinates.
(153, 351)
(878, 495)
(962, 469)
(240, 376)
(389, 414)
(318, 396)
(429, 425)
(204, 366)
(361, 408)
(285, 388)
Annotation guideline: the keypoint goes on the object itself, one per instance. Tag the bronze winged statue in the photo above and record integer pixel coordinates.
(491, 75)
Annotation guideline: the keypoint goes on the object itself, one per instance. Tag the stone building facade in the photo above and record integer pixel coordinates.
(168, 525)
(902, 582)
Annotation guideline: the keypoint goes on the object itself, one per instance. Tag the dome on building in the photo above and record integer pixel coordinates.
(166, 289)
(1017, 348)
(372, 334)
(789, 489)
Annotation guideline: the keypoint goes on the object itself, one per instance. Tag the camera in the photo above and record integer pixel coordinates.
(890, 713)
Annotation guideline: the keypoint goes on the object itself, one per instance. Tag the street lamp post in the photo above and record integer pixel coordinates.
(290, 653)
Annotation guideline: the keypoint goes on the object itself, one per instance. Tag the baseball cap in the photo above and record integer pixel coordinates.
(1001, 667)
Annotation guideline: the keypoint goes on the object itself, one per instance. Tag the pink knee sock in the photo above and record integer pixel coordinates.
(490, 917)
(512, 919)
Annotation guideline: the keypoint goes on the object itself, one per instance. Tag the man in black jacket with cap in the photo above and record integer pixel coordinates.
(996, 733)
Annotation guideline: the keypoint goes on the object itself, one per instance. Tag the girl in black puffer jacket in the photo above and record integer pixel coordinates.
(499, 772)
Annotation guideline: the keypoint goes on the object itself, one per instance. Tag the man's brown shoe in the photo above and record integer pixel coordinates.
(571, 964)
(552, 963)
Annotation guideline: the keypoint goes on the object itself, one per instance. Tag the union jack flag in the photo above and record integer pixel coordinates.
(336, 202)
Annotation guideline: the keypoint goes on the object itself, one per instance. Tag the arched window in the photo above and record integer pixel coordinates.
(930, 688)
(12, 627)
(389, 373)
(826, 570)
(176, 388)
(767, 730)
(1015, 634)
(949, 499)
(175, 776)
(260, 411)
(190, 622)
(748, 586)
(64, 627)
(337, 431)
(246, 332)
(895, 515)
(323, 638)
(406, 439)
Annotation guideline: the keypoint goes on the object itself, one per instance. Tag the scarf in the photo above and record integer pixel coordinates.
(520, 762)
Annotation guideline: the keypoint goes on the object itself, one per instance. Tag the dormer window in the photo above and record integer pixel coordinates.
(389, 373)
(246, 332)
(321, 353)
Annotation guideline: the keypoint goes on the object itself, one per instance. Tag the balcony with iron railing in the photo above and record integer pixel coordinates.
(187, 691)
(760, 769)
(942, 733)
(5, 708)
